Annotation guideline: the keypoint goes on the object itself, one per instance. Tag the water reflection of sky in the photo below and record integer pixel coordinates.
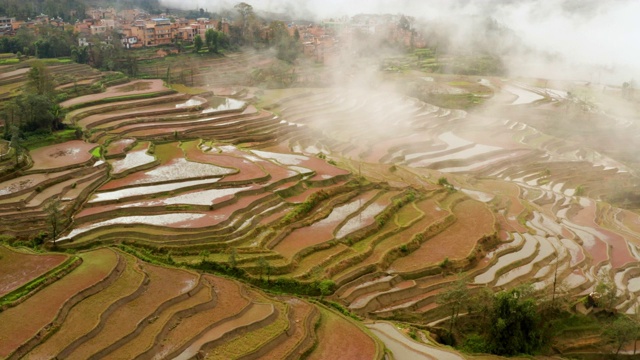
(222, 104)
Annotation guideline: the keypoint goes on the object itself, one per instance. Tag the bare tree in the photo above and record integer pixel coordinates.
(455, 296)
(54, 217)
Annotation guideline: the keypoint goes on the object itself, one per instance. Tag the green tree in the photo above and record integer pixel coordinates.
(326, 287)
(606, 292)
(454, 297)
(246, 20)
(211, 40)
(264, 267)
(480, 305)
(39, 79)
(516, 326)
(11, 113)
(621, 332)
(54, 217)
(25, 38)
(80, 54)
(15, 143)
(446, 184)
(34, 112)
(204, 254)
(287, 48)
(233, 258)
(197, 43)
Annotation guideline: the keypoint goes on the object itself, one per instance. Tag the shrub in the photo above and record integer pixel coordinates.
(7, 239)
(446, 184)
(475, 343)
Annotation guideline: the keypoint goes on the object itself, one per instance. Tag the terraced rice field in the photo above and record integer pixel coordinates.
(339, 337)
(342, 184)
(117, 306)
(18, 268)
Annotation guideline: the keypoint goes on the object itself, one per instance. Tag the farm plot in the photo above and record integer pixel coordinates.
(128, 89)
(61, 156)
(204, 180)
(473, 220)
(340, 338)
(320, 231)
(18, 268)
(431, 214)
(85, 318)
(23, 322)
(137, 312)
(135, 158)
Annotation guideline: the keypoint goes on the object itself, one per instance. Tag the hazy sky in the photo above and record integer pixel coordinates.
(590, 32)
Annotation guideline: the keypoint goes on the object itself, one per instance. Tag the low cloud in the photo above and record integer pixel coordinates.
(591, 38)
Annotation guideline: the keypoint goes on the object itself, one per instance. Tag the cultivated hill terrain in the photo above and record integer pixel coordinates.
(361, 199)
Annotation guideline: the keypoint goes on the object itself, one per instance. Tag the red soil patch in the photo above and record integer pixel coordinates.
(61, 155)
(248, 169)
(117, 147)
(18, 268)
(172, 170)
(322, 169)
(126, 115)
(367, 216)
(20, 323)
(230, 301)
(322, 230)
(338, 338)
(275, 216)
(455, 242)
(630, 219)
(165, 284)
(296, 199)
(278, 173)
(145, 339)
(215, 217)
(510, 193)
(301, 311)
(618, 245)
(28, 181)
(210, 218)
(132, 88)
(86, 315)
(383, 148)
(428, 207)
(223, 125)
(103, 108)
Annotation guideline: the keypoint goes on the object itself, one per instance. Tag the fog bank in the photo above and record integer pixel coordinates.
(573, 35)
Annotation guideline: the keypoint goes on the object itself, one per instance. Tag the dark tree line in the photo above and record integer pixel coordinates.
(35, 110)
(67, 10)
(50, 42)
